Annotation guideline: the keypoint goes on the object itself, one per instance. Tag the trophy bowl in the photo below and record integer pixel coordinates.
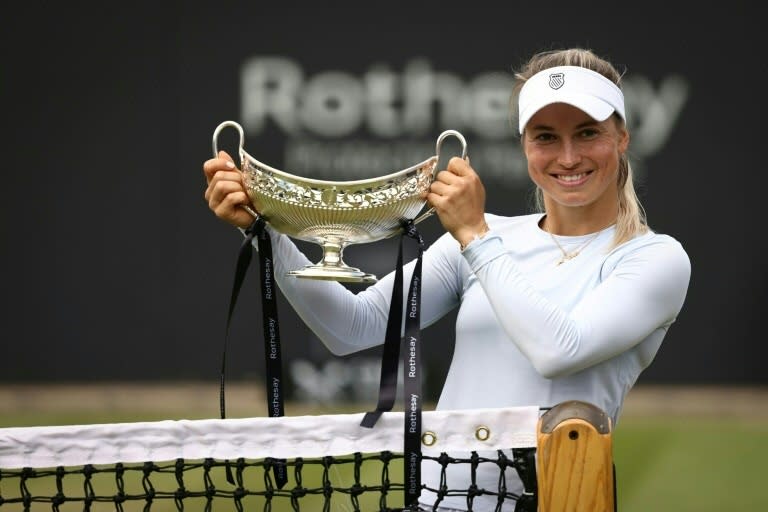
(336, 214)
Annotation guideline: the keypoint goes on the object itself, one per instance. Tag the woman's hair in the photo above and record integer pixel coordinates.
(631, 220)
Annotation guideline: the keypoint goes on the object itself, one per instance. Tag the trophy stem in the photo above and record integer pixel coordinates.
(332, 255)
(332, 267)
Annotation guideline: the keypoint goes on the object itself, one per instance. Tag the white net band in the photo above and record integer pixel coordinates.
(256, 438)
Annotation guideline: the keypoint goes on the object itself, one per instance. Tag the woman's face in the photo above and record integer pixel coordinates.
(573, 158)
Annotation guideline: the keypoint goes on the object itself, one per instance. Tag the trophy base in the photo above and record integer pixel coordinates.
(333, 273)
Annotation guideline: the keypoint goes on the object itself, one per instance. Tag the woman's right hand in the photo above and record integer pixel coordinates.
(226, 193)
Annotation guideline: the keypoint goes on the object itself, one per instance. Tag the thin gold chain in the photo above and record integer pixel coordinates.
(570, 255)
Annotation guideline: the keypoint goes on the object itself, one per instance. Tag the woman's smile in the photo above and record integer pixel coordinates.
(572, 179)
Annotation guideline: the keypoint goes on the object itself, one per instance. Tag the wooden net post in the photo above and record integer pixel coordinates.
(575, 459)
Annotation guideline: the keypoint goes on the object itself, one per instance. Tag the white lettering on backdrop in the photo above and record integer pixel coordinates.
(342, 126)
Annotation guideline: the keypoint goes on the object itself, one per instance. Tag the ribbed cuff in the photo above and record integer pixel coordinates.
(484, 250)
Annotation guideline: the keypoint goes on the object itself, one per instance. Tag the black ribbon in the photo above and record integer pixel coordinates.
(412, 394)
(525, 465)
(272, 353)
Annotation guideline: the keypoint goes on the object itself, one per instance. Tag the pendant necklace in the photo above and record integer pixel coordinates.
(570, 255)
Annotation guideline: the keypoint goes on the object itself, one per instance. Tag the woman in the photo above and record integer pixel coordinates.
(569, 303)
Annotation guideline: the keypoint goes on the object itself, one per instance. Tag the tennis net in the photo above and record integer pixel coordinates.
(482, 459)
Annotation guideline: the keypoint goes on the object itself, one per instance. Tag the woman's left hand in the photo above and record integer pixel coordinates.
(458, 196)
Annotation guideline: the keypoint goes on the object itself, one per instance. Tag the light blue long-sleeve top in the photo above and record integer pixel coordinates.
(528, 331)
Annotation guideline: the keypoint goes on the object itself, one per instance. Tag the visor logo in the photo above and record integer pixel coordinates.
(556, 80)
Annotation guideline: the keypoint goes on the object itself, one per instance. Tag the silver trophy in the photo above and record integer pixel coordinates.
(336, 214)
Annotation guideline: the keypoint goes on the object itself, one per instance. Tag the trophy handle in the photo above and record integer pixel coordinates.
(438, 145)
(217, 131)
(448, 133)
(215, 145)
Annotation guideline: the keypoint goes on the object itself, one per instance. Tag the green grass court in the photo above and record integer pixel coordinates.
(689, 458)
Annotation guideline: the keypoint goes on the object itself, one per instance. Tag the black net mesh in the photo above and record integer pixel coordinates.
(358, 482)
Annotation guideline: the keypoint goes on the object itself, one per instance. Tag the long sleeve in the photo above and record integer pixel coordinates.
(641, 289)
(347, 322)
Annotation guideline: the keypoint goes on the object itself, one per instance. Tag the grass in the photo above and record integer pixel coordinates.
(691, 464)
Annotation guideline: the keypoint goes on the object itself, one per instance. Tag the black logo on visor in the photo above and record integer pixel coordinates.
(556, 80)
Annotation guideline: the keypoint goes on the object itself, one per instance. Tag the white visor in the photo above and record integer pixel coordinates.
(581, 87)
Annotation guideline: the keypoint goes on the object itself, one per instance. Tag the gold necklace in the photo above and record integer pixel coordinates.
(570, 255)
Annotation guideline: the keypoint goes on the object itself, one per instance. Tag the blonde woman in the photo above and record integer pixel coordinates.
(568, 303)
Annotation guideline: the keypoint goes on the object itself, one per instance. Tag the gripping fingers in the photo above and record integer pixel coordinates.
(226, 202)
(224, 180)
(225, 192)
(222, 163)
(229, 204)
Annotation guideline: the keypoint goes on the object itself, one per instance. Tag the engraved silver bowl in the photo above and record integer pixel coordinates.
(336, 214)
